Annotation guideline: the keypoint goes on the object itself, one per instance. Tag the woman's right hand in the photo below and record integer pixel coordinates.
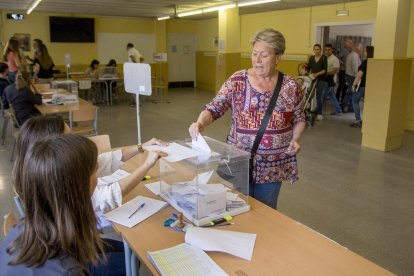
(153, 157)
(195, 129)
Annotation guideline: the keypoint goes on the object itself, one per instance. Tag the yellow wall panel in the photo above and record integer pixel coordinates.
(205, 71)
(181, 26)
(206, 31)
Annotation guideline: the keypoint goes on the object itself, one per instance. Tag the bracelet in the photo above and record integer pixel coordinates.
(140, 149)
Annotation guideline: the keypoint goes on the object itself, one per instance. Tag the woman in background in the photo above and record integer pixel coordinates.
(115, 91)
(93, 73)
(13, 59)
(44, 66)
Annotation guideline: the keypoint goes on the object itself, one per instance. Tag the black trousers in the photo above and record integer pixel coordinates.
(342, 86)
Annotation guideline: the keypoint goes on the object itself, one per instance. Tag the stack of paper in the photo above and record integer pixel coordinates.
(69, 99)
(235, 204)
(115, 177)
(121, 214)
(184, 259)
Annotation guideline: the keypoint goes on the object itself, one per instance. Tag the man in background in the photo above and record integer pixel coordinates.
(343, 55)
(352, 63)
(333, 69)
(135, 57)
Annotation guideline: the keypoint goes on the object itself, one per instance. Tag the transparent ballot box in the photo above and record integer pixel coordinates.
(108, 73)
(59, 87)
(76, 69)
(209, 186)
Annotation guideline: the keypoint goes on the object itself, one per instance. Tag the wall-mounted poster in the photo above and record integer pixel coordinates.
(215, 41)
(24, 41)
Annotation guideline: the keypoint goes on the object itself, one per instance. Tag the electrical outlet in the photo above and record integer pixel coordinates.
(308, 45)
(2, 43)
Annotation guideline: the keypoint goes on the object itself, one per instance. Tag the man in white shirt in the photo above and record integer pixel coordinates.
(133, 55)
(331, 76)
(352, 63)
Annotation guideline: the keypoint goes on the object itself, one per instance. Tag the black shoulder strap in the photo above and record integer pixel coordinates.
(269, 111)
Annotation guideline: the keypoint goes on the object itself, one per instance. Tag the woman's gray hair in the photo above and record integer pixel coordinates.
(271, 38)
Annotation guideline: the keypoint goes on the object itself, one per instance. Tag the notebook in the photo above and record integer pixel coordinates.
(184, 259)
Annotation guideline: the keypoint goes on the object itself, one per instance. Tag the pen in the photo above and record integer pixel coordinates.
(136, 210)
(217, 225)
(146, 177)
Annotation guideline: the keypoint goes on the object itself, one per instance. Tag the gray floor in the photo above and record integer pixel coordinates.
(359, 197)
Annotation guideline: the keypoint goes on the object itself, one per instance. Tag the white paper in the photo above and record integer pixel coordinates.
(184, 259)
(155, 187)
(231, 196)
(175, 152)
(46, 101)
(115, 177)
(201, 143)
(234, 243)
(46, 93)
(203, 177)
(121, 214)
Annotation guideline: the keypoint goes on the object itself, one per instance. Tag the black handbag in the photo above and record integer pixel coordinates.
(230, 171)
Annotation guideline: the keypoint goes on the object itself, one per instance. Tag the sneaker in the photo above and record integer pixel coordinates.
(356, 124)
(133, 105)
(319, 118)
(337, 113)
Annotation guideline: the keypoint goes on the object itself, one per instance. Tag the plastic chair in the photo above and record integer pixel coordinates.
(12, 114)
(45, 86)
(9, 222)
(83, 116)
(84, 85)
(6, 118)
(101, 141)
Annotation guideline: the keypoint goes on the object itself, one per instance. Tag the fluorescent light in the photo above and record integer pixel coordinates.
(255, 3)
(33, 6)
(342, 13)
(189, 13)
(220, 8)
(162, 18)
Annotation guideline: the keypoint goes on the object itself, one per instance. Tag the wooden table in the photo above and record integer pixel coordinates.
(283, 246)
(56, 109)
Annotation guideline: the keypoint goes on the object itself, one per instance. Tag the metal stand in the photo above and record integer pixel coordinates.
(161, 89)
(138, 119)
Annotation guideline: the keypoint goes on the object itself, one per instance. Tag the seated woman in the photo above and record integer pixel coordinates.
(92, 72)
(115, 91)
(4, 70)
(22, 98)
(58, 234)
(104, 198)
(44, 66)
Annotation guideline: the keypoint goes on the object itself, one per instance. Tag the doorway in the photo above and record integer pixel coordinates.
(181, 50)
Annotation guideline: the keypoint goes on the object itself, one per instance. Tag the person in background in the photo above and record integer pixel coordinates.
(300, 82)
(36, 44)
(4, 70)
(21, 53)
(359, 92)
(44, 66)
(58, 233)
(135, 57)
(247, 93)
(352, 63)
(13, 59)
(317, 66)
(115, 91)
(343, 55)
(333, 69)
(22, 98)
(92, 72)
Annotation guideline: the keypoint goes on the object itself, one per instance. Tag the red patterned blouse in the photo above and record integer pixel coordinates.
(248, 107)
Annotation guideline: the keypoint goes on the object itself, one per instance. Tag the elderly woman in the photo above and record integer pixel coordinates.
(248, 93)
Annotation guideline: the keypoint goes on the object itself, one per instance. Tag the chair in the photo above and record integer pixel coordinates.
(45, 86)
(84, 85)
(102, 142)
(9, 222)
(162, 88)
(6, 118)
(83, 116)
(12, 114)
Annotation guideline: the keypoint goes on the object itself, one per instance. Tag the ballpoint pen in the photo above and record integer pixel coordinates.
(136, 210)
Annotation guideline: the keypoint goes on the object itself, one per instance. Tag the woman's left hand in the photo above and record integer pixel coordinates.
(353, 88)
(154, 141)
(294, 147)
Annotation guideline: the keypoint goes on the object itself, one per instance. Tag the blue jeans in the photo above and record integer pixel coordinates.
(115, 253)
(266, 193)
(320, 87)
(356, 97)
(329, 92)
(348, 97)
(12, 77)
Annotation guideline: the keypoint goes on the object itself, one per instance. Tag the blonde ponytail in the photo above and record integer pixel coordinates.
(22, 79)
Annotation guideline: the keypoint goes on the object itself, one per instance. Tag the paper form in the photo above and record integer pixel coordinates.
(201, 143)
(175, 152)
(184, 259)
(155, 187)
(46, 101)
(121, 214)
(115, 177)
(234, 243)
(46, 93)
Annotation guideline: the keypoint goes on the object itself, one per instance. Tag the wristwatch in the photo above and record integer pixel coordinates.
(140, 149)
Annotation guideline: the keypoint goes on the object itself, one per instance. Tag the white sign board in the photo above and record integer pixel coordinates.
(137, 78)
(160, 57)
(67, 60)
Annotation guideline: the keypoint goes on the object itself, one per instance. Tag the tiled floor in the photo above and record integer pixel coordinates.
(361, 198)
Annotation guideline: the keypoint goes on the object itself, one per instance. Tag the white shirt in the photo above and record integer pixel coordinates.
(352, 63)
(333, 62)
(135, 53)
(107, 198)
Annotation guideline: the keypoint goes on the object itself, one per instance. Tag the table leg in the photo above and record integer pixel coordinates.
(107, 92)
(134, 265)
(111, 91)
(127, 258)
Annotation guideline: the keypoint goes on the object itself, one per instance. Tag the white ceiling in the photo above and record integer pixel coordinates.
(155, 8)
